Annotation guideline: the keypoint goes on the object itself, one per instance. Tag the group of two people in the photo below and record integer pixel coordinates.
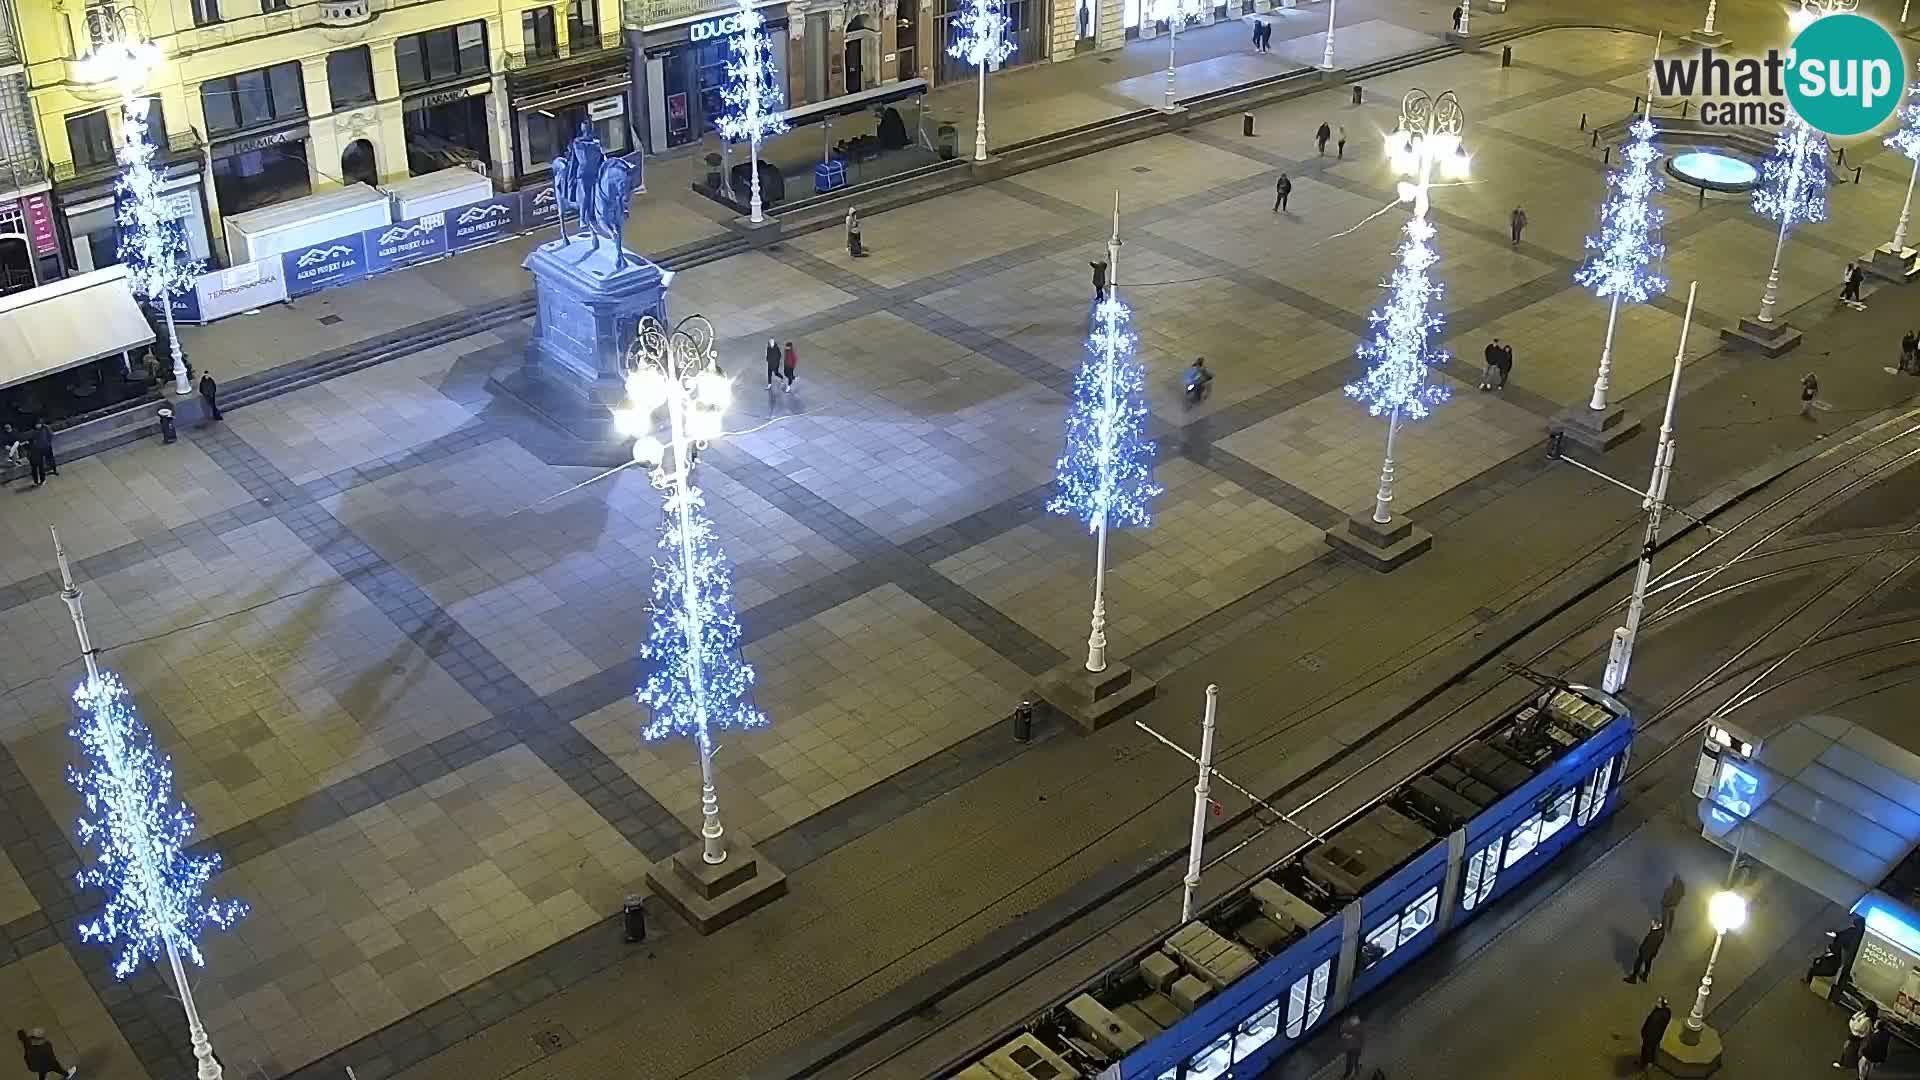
(34, 450)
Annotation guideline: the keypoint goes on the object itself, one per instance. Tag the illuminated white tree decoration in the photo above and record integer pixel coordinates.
(1176, 14)
(696, 683)
(1105, 475)
(153, 246)
(980, 38)
(752, 99)
(1620, 268)
(1906, 143)
(1793, 189)
(1399, 351)
(155, 891)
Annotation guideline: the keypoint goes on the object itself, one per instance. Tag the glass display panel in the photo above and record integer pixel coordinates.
(1419, 914)
(1381, 942)
(1317, 994)
(1297, 1008)
(1558, 815)
(1214, 1061)
(1256, 1031)
(1521, 841)
(1470, 888)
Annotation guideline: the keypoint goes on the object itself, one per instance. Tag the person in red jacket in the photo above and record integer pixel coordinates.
(793, 363)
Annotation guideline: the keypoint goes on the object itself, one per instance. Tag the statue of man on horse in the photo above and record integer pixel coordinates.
(599, 191)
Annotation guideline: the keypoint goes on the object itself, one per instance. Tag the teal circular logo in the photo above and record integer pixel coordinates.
(1846, 74)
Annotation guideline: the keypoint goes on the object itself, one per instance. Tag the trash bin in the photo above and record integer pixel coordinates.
(1246, 124)
(1356, 93)
(168, 433)
(1506, 56)
(633, 914)
(714, 180)
(947, 138)
(1023, 722)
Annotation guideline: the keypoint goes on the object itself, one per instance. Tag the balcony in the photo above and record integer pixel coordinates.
(574, 50)
(343, 13)
(180, 146)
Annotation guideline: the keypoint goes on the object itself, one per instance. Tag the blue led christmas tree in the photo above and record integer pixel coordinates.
(1620, 268)
(1397, 355)
(1105, 475)
(980, 39)
(752, 99)
(154, 889)
(153, 246)
(1906, 143)
(1793, 190)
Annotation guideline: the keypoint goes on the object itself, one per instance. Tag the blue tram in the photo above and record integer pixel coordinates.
(1225, 996)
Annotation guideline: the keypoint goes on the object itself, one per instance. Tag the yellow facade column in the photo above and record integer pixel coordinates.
(387, 131)
(499, 113)
(323, 148)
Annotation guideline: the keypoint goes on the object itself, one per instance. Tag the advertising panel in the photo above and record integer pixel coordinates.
(331, 262)
(479, 223)
(241, 288)
(539, 206)
(403, 242)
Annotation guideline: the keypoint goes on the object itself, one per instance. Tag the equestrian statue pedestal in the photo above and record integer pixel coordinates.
(589, 303)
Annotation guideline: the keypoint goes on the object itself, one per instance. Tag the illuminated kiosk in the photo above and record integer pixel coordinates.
(1836, 808)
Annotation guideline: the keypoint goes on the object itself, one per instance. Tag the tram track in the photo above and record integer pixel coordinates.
(1393, 737)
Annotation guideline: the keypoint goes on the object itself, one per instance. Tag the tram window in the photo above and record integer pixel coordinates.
(1171, 1074)
(1256, 1031)
(1558, 815)
(1593, 793)
(1419, 914)
(1214, 1061)
(1482, 868)
(1297, 1008)
(1317, 994)
(1308, 999)
(1522, 841)
(1380, 943)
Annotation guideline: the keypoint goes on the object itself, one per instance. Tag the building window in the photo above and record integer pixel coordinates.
(350, 76)
(156, 122)
(253, 98)
(268, 7)
(90, 138)
(206, 12)
(454, 52)
(536, 33)
(583, 24)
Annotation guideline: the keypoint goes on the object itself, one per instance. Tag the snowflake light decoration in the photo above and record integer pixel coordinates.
(980, 34)
(1626, 248)
(1906, 141)
(152, 246)
(1398, 353)
(751, 99)
(1793, 179)
(1105, 474)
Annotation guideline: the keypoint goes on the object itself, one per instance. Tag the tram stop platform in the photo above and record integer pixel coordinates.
(1537, 988)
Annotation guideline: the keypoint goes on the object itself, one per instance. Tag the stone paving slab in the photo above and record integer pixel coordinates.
(1205, 76)
(47, 990)
(16, 900)
(1205, 521)
(862, 691)
(1563, 354)
(1354, 45)
(920, 241)
(1145, 174)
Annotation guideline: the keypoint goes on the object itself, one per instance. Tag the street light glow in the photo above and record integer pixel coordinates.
(1727, 911)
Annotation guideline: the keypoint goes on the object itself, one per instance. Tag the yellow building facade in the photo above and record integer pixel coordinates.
(265, 101)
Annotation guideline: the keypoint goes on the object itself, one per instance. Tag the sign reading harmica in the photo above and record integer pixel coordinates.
(1841, 75)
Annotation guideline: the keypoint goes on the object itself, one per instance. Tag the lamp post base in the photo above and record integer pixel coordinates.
(1890, 264)
(1688, 1053)
(1706, 40)
(1383, 547)
(1767, 338)
(1094, 699)
(1468, 42)
(711, 895)
(1600, 430)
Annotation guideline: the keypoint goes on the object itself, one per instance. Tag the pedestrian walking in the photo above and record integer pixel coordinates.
(773, 362)
(39, 1055)
(1517, 221)
(1266, 37)
(1256, 35)
(1282, 188)
(1198, 380)
(1321, 137)
(1458, 14)
(1506, 366)
(1493, 364)
(1676, 891)
(1649, 948)
(1850, 285)
(792, 365)
(853, 234)
(209, 393)
(1340, 144)
(1858, 1028)
(1809, 392)
(1910, 354)
(1652, 1030)
(1099, 279)
(1352, 1041)
(1873, 1052)
(40, 458)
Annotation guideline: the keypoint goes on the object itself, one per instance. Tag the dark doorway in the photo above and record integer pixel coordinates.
(356, 164)
(445, 136)
(857, 34)
(16, 264)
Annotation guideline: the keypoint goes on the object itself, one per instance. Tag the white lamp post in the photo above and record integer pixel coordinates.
(1727, 911)
(1466, 16)
(121, 54)
(980, 39)
(1326, 55)
(1176, 15)
(677, 371)
(1906, 142)
(1200, 787)
(1707, 30)
(1428, 138)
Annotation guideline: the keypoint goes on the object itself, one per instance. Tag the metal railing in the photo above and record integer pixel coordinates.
(586, 45)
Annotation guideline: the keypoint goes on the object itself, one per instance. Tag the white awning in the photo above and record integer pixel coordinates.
(68, 323)
(1825, 802)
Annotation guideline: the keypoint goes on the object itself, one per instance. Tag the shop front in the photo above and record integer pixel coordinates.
(686, 71)
(550, 101)
(447, 128)
(1026, 32)
(261, 168)
(93, 223)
